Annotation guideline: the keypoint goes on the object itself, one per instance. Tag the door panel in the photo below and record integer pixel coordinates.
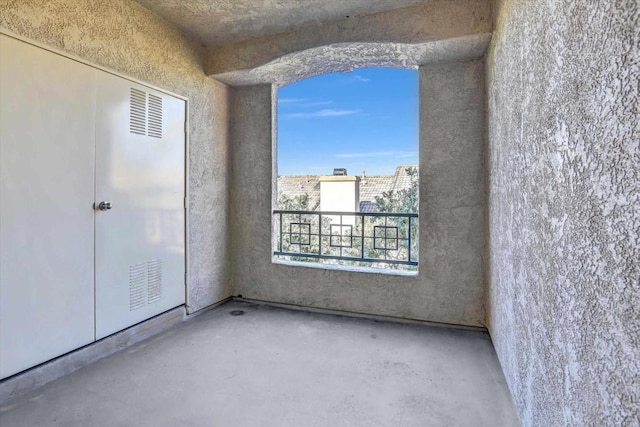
(140, 249)
(46, 194)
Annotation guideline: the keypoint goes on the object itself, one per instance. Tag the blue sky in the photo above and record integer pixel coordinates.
(365, 120)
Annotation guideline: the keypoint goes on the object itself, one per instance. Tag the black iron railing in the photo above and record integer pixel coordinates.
(390, 238)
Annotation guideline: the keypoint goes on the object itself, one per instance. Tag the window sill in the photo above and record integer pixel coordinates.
(347, 268)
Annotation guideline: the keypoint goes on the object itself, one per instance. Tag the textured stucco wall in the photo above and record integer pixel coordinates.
(449, 286)
(249, 19)
(348, 56)
(427, 22)
(564, 209)
(127, 38)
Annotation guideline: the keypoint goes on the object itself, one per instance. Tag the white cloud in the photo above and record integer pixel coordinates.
(302, 102)
(316, 104)
(350, 79)
(398, 154)
(291, 100)
(327, 112)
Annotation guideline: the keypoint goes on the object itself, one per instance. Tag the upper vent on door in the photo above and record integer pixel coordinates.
(155, 116)
(145, 113)
(138, 112)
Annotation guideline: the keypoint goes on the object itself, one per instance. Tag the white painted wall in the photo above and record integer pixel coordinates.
(126, 37)
(340, 194)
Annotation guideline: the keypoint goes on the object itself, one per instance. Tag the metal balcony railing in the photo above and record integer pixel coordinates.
(390, 238)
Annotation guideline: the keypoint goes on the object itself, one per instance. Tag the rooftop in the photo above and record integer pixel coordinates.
(371, 186)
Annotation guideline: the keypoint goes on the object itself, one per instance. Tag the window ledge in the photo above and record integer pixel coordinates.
(347, 268)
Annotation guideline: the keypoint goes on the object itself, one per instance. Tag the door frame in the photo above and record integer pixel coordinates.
(187, 131)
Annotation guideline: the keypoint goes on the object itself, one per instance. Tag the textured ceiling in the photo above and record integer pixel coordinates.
(216, 22)
(344, 57)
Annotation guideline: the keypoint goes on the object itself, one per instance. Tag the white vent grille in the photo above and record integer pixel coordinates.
(137, 286)
(145, 113)
(154, 281)
(155, 116)
(138, 112)
(145, 283)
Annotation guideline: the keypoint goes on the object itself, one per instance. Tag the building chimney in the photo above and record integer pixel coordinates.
(340, 172)
(340, 193)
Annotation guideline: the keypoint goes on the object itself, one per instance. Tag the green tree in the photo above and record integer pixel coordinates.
(300, 202)
(400, 201)
(405, 200)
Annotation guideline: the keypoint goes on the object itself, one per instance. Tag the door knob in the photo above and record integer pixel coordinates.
(104, 206)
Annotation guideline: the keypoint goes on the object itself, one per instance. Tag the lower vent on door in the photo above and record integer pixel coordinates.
(145, 283)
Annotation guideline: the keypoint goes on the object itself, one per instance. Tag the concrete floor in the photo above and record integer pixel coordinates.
(278, 367)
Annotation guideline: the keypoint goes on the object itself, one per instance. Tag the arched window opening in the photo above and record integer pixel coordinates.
(347, 170)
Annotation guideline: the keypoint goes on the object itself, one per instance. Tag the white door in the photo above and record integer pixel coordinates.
(46, 195)
(140, 248)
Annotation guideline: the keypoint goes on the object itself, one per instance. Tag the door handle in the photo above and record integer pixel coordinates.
(104, 206)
